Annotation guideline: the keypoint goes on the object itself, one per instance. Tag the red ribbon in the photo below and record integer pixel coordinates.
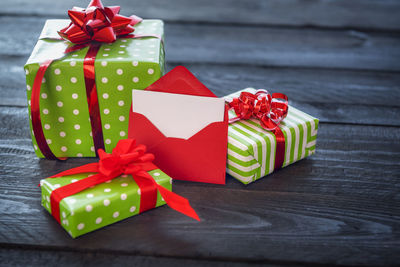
(126, 158)
(97, 23)
(35, 111)
(270, 110)
(88, 27)
(92, 99)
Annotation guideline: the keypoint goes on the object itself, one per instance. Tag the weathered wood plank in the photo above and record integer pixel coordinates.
(306, 48)
(343, 204)
(257, 46)
(43, 256)
(237, 225)
(302, 85)
(13, 85)
(360, 153)
(331, 95)
(362, 14)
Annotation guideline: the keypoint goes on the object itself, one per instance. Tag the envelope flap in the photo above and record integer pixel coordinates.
(177, 115)
(180, 81)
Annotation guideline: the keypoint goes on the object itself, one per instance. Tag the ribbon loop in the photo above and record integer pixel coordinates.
(270, 110)
(121, 159)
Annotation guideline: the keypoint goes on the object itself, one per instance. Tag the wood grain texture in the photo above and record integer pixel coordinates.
(361, 14)
(360, 153)
(356, 97)
(42, 257)
(330, 95)
(336, 60)
(341, 206)
(236, 224)
(255, 46)
(302, 84)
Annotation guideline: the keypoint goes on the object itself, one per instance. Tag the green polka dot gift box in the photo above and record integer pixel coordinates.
(119, 67)
(101, 205)
(252, 149)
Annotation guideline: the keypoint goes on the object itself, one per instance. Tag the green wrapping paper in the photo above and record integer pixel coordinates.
(120, 67)
(101, 205)
(251, 149)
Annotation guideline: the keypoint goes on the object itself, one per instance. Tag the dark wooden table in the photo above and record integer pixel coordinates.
(337, 60)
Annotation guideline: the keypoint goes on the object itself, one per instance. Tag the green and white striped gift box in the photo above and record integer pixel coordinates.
(251, 149)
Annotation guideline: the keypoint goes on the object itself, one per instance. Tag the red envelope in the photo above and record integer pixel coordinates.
(200, 157)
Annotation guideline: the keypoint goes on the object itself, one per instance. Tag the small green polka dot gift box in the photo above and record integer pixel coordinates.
(102, 205)
(66, 117)
(122, 184)
(256, 148)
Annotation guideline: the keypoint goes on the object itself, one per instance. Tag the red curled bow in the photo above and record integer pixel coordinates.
(270, 110)
(97, 23)
(126, 158)
(261, 105)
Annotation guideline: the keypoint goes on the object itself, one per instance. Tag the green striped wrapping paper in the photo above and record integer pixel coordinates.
(251, 149)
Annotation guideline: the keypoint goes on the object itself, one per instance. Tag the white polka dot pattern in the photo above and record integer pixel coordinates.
(120, 67)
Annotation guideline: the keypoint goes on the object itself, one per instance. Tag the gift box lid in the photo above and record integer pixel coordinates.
(51, 45)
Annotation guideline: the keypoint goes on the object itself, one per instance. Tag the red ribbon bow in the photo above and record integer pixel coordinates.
(97, 23)
(270, 110)
(261, 105)
(126, 158)
(123, 159)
